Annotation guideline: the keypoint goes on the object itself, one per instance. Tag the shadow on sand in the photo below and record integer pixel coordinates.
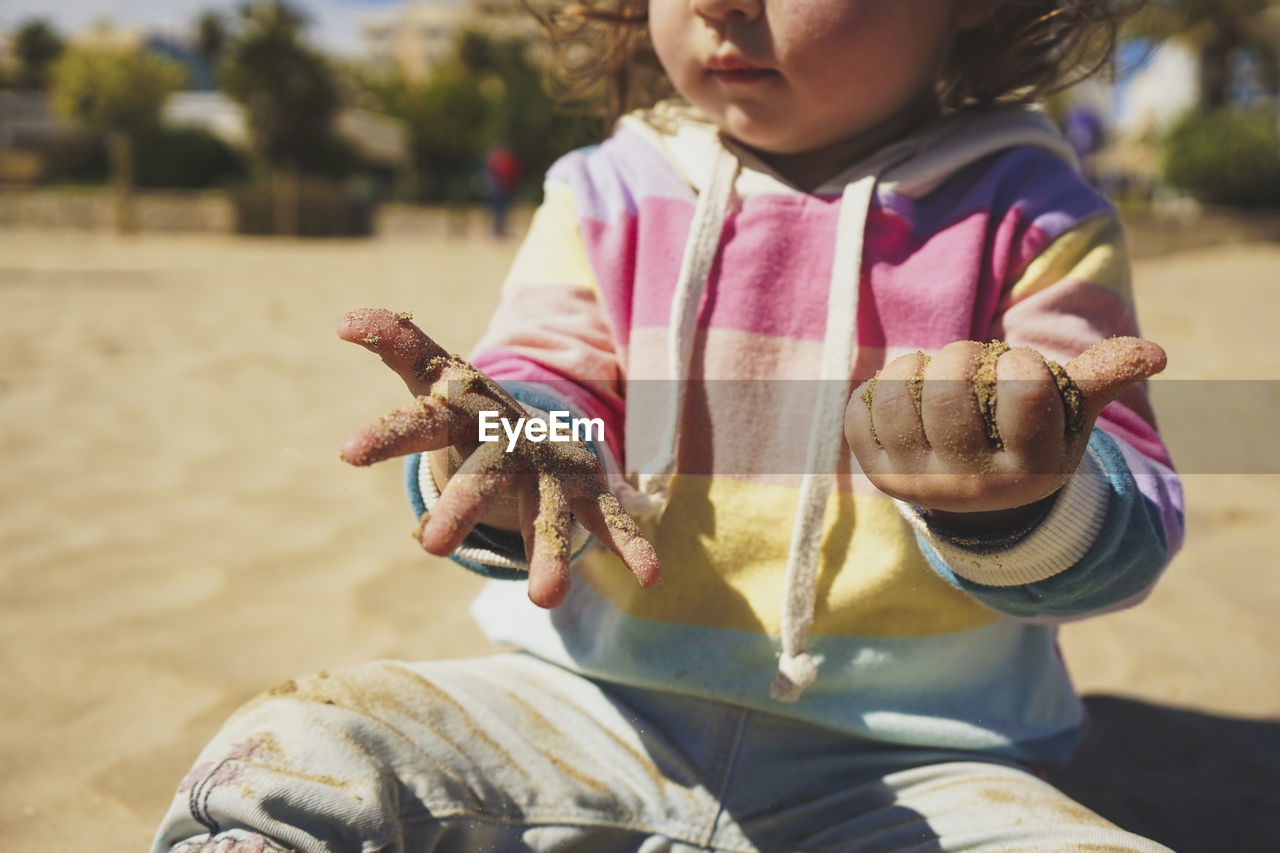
(1195, 782)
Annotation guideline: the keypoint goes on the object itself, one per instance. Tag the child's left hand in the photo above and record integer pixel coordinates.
(984, 429)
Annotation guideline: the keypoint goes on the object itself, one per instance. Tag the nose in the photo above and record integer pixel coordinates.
(723, 10)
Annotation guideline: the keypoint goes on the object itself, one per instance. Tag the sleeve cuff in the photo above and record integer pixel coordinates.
(1056, 544)
(487, 551)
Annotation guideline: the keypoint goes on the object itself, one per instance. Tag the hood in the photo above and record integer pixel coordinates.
(921, 161)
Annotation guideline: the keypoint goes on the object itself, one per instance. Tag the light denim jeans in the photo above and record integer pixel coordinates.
(514, 754)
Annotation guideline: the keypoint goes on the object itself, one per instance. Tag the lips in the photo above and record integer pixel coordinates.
(734, 70)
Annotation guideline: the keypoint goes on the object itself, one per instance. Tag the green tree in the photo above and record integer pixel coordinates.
(1218, 30)
(288, 93)
(489, 93)
(36, 45)
(1230, 156)
(525, 118)
(211, 35)
(449, 127)
(119, 93)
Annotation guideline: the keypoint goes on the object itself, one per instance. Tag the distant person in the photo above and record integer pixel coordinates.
(853, 645)
(503, 172)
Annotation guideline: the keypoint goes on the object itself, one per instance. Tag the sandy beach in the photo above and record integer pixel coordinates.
(178, 533)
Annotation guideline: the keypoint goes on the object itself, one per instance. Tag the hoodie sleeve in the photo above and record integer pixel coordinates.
(1119, 519)
(551, 347)
(550, 328)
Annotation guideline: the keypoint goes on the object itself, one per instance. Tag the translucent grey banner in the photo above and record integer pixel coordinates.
(762, 427)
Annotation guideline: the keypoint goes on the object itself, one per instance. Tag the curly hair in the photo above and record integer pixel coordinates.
(1026, 50)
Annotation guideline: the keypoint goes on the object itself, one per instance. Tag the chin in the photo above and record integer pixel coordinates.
(771, 138)
(760, 139)
(773, 146)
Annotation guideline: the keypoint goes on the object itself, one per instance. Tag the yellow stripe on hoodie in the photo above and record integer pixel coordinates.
(553, 252)
(1093, 251)
(724, 552)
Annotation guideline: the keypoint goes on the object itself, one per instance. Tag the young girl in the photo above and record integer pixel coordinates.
(852, 646)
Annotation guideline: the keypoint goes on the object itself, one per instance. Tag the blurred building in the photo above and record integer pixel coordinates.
(25, 128)
(419, 34)
(1155, 85)
(200, 72)
(416, 37)
(25, 119)
(210, 111)
(31, 136)
(108, 36)
(1160, 88)
(380, 139)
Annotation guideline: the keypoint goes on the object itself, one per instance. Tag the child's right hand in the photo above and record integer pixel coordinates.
(549, 479)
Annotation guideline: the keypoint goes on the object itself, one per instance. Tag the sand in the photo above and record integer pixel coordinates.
(984, 388)
(178, 534)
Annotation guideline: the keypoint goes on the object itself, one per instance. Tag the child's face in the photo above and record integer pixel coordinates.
(796, 76)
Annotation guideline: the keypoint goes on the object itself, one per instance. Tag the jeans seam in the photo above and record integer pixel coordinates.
(730, 762)
(198, 801)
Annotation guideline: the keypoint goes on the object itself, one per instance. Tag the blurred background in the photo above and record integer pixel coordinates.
(192, 193)
(266, 117)
(327, 116)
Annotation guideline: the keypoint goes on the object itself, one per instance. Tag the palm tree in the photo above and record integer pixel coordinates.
(1217, 31)
(36, 46)
(211, 35)
(288, 94)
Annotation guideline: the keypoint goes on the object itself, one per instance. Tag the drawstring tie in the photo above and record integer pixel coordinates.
(796, 667)
(649, 499)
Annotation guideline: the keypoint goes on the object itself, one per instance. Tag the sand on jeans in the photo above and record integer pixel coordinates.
(178, 533)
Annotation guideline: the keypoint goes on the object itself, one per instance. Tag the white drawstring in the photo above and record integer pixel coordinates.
(649, 500)
(796, 667)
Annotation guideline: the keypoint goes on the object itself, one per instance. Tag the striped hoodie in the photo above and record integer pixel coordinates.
(715, 319)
